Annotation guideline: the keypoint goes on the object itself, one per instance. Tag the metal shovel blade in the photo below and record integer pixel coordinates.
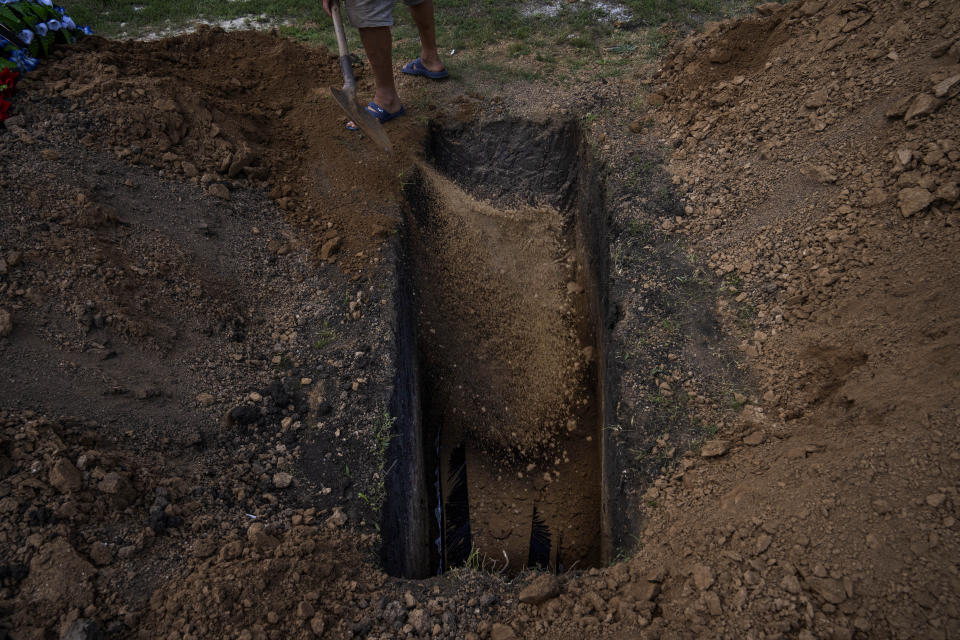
(362, 118)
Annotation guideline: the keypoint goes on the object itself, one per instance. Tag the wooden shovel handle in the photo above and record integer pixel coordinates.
(348, 81)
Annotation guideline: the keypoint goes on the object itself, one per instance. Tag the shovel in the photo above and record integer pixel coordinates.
(347, 97)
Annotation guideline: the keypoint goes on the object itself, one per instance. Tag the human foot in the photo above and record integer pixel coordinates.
(379, 113)
(420, 68)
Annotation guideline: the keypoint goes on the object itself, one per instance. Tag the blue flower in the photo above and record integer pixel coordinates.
(54, 25)
(69, 23)
(87, 31)
(27, 36)
(24, 61)
(47, 3)
(60, 10)
(40, 28)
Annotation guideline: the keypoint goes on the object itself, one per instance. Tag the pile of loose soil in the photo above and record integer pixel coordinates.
(816, 148)
(226, 110)
(177, 368)
(89, 552)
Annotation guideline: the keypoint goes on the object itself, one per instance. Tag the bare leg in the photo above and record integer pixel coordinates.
(378, 44)
(423, 16)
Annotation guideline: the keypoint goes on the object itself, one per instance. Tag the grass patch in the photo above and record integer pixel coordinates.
(111, 18)
(376, 492)
(689, 13)
(477, 68)
(497, 42)
(524, 26)
(325, 336)
(310, 33)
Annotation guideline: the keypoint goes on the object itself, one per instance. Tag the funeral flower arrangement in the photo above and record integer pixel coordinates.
(8, 81)
(29, 29)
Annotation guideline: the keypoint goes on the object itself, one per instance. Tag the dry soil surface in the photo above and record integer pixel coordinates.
(194, 375)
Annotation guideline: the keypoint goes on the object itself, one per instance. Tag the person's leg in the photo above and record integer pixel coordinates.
(422, 13)
(373, 18)
(378, 44)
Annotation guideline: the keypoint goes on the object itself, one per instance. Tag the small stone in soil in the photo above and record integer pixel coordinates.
(703, 577)
(541, 589)
(913, 200)
(714, 448)
(502, 632)
(219, 190)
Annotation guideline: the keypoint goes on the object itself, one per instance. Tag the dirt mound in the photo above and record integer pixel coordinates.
(226, 110)
(821, 178)
(205, 351)
(92, 491)
(84, 483)
(281, 581)
(722, 51)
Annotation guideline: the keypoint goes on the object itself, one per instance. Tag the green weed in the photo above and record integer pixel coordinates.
(545, 56)
(622, 48)
(657, 41)
(670, 325)
(309, 33)
(325, 337)
(383, 433)
(474, 560)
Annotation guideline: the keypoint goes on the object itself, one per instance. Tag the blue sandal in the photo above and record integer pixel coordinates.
(416, 68)
(379, 113)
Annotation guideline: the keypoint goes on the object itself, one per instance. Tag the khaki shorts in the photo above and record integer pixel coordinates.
(373, 13)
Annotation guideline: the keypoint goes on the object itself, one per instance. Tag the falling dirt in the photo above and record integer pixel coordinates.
(510, 371)
(497, 295)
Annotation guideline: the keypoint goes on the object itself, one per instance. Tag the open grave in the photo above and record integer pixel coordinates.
(500, 398)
